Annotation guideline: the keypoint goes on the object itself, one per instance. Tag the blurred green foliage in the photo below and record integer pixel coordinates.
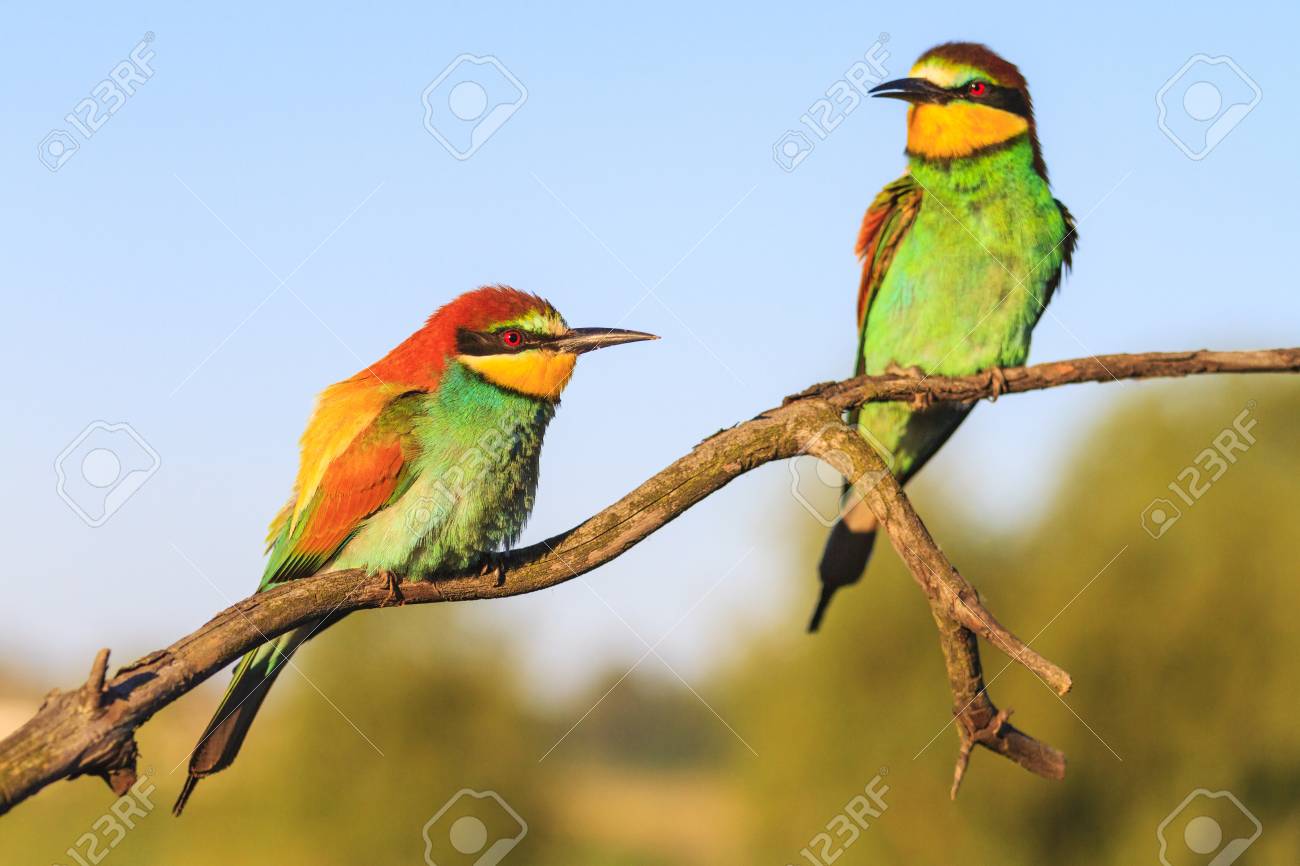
(1182, 650)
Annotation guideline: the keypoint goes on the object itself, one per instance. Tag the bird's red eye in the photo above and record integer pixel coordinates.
(512, 338)
(977, 88)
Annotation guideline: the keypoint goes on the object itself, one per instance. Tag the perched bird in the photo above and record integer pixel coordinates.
(959, 258)
(424, 462)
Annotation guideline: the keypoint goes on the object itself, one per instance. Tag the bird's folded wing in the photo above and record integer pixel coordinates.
(350, 480)
(1066, 245)
(883, 229)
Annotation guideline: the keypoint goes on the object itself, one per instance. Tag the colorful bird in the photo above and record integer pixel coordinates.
(959, 258)
(424, 462)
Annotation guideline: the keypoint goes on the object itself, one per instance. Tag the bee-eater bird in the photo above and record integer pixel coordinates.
(959, 258)
(424, 462)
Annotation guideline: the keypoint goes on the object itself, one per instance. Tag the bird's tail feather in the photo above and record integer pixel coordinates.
(223, 736)
(843, 562)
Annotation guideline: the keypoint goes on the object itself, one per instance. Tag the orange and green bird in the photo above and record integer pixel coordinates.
(425, 462)
(959, 259)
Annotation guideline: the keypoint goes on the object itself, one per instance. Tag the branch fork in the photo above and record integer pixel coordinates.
(970, 736)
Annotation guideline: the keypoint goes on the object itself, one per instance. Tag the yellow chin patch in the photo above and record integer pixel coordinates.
(537, 372)
(959, 129)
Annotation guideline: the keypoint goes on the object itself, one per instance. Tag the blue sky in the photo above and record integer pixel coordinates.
(267, 213)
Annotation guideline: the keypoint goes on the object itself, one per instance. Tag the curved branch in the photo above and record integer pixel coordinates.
(90, 730)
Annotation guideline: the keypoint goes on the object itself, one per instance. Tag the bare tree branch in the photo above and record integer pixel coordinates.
(1097, 368)
(90, 730)
(958, 614)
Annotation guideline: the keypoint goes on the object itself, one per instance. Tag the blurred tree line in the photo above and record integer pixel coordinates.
(1182, 651)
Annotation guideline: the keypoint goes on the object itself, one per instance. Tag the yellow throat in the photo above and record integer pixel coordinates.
(537, 373)
(959, 129)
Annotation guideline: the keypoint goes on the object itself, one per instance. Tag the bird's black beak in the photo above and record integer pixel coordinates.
(917, 91)
(579, 340)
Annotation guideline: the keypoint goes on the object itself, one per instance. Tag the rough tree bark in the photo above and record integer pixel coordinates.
(90, 730)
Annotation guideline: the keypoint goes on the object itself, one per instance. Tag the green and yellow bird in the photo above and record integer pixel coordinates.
(424, 462)
(959, 258)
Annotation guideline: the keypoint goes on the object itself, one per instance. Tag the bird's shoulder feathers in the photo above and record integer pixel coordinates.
(353, 462)
(888, 218)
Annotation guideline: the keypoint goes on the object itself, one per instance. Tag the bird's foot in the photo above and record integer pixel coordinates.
(912, 372)
(494, 562)
(997, 383)
(394, 584)
(921, 400)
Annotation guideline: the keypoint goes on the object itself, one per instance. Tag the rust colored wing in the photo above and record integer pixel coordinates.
(361, 479)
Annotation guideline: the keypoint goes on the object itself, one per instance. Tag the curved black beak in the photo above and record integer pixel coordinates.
(914, 90)
(579, 340)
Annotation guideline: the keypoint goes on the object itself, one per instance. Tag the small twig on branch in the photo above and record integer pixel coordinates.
(986, 735)
(93, 690)
(90, 730)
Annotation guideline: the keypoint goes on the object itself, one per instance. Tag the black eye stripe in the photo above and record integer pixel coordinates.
(492, 343)
(995, 95)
